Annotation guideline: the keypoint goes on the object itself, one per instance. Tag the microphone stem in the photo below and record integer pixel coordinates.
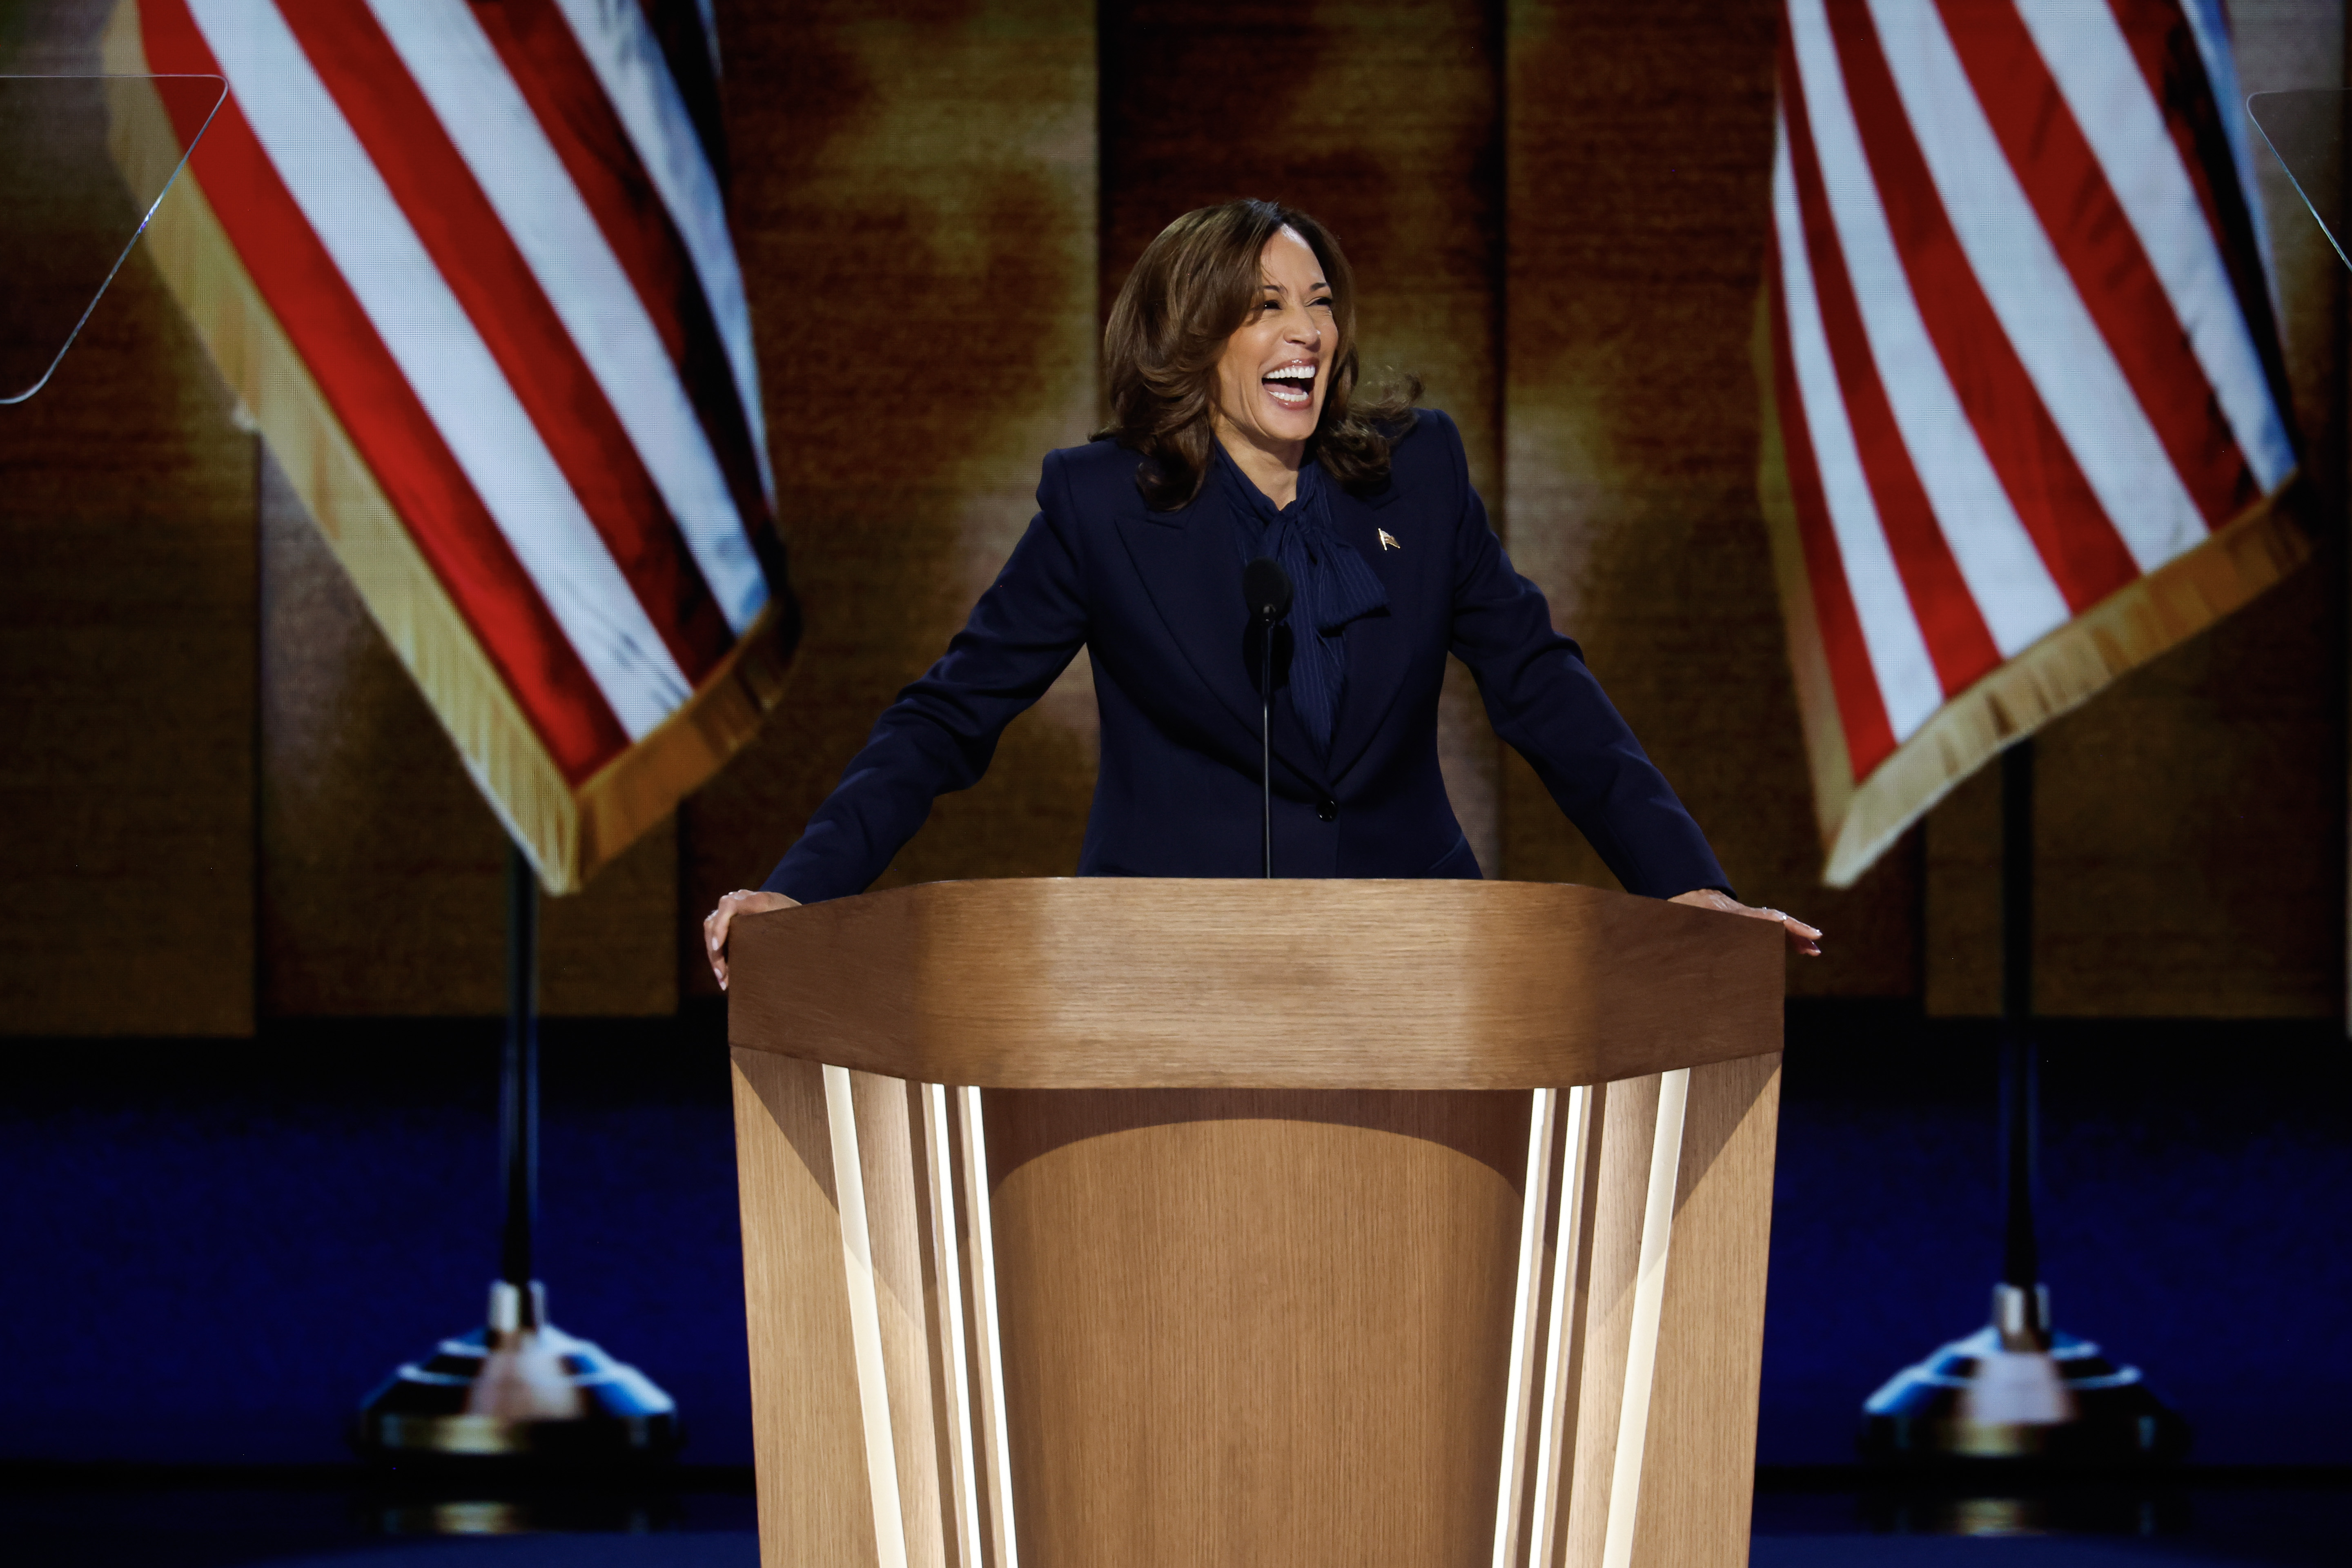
(1266, 741)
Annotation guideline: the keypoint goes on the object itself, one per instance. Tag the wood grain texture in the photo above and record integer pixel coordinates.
(1273, 1322)
(1269, 1325)
(1698, 1474)
(807, 1434)
(1125, 982)
(1237, 1332)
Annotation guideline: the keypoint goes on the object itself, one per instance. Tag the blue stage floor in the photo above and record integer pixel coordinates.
(334, 1519)
(1999, 1552)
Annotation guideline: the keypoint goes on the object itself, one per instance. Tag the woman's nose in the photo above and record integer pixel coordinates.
(1303, 328)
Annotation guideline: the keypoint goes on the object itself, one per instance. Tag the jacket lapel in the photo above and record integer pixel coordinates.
(1379, 646)
(1193, 574)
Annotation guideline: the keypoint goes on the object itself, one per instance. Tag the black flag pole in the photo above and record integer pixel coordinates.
(2016, 1392)
(519, 1074)
(519, 1391)
(2020, 1298)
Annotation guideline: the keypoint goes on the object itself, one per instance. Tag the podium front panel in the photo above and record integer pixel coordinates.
(1255, 1327)
(1298, 1326)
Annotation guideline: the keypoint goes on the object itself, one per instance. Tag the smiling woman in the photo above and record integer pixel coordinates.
(1181, 378)
(1230, 361)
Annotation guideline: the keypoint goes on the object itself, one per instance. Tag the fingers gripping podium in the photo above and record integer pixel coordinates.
(1157, 1222)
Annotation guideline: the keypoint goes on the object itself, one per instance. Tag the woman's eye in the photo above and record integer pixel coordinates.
(1324, 304)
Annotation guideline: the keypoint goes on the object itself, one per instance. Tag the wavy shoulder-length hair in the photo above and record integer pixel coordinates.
(1189, 292)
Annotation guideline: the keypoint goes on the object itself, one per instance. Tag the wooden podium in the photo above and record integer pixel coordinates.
(1296, 1223)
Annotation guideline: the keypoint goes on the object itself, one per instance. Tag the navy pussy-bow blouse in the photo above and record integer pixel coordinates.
(1332, 584)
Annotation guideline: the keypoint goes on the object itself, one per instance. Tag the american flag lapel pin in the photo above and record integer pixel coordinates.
(1388, 540)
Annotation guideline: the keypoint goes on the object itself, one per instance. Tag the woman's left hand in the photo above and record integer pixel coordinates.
(1802, 938)
(719, 922)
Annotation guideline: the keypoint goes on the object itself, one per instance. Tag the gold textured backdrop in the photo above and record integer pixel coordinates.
(224, 804)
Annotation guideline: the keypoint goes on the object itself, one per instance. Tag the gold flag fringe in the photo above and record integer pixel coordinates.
(1860, 821)
(567, 833)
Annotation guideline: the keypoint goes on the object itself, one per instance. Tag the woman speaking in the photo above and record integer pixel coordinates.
(1238, 436)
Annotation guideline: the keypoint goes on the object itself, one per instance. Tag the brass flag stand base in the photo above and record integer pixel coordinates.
(2016, 1391)
(518, 1392)
(518, 1389)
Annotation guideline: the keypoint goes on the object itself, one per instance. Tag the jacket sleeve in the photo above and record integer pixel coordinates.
(941, 731)
(1542, 700)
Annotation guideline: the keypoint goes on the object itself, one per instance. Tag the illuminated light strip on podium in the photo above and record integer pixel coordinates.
(1649, 1300)
(864, 1321)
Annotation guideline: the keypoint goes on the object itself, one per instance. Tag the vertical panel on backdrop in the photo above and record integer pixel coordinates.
(915, 207)
(468, 267)
(1388, 122)
(2026, 420)
(127, 602)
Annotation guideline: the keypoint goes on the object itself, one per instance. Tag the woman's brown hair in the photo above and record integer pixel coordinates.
(1191, 290)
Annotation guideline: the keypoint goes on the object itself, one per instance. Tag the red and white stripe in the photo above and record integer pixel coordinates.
(493, 237)
(2017, 368)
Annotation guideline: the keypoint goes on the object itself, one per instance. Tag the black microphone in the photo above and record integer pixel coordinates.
(1265, 588)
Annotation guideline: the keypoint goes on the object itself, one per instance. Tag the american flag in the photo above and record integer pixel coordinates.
(2026, 416)
(468, 265)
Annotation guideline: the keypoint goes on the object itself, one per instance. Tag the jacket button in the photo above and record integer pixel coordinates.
(1328, 809)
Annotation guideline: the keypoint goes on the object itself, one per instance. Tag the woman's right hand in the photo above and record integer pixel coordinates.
(716, 923)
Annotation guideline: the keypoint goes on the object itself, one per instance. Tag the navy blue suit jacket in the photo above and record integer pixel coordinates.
(1155, 599)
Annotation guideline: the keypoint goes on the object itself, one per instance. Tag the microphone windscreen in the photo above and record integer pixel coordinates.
(1266, 586)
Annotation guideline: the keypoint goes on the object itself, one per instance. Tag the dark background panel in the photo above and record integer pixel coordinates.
(127, 601)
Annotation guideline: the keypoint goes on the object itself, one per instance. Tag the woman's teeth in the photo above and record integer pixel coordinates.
(1292, 386)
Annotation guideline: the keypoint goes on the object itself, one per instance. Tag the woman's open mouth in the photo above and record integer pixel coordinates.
(1292, 386)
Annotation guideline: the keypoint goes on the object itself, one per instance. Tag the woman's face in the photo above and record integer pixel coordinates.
(1273, 375)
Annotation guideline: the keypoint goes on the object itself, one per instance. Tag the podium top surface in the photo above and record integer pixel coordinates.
(1136, 982)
